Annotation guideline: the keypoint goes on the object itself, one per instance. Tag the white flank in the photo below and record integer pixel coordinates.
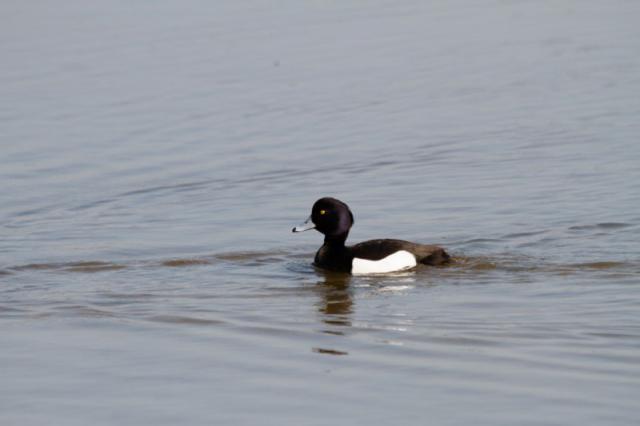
(398, 261)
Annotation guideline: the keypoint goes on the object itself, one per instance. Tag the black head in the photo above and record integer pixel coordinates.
(329, 216)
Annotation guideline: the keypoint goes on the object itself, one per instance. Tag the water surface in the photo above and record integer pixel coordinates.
(155, 156)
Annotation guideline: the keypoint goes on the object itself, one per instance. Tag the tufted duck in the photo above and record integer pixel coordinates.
(333, 218)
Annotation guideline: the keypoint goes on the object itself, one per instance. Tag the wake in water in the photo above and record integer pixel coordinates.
(299, 263)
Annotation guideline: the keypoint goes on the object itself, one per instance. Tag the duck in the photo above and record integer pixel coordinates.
(334, 219)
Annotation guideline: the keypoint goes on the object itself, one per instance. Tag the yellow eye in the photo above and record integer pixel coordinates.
(323, 211)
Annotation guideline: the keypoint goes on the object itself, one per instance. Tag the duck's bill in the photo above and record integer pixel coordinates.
(308, 224)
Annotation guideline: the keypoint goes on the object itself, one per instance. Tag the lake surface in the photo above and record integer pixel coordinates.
(155, 156)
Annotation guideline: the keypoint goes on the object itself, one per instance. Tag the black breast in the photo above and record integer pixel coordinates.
(334, 258)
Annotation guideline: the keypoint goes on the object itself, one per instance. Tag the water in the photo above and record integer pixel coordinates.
(155, 156)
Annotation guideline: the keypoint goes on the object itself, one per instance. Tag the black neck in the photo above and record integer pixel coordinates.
(334, 255)
(336, 240)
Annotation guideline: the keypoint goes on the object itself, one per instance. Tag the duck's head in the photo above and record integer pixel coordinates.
(329, 216)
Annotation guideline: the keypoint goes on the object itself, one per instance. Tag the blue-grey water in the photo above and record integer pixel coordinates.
(155, 155)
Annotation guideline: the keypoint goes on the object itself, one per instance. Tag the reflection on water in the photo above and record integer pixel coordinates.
(336, 300)
(329, 351)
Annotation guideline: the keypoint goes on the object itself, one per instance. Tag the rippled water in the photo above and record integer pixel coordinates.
(155, 156)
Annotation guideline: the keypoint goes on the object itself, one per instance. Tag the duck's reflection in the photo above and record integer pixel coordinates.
(336, 300)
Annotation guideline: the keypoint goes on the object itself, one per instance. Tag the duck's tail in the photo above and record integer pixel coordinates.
(432, 255)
